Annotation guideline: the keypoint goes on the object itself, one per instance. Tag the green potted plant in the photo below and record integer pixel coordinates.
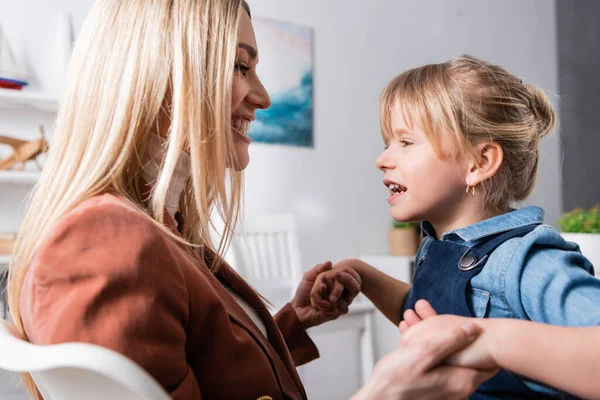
(583, 227)
(404, 238)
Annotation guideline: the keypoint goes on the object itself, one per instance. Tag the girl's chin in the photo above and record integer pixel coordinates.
(403, 216)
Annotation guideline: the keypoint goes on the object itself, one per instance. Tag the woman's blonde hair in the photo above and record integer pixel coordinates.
(131, 59)
(472, 101)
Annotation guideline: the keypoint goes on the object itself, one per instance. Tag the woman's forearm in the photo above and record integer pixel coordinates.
(385, 292)
(564, 358)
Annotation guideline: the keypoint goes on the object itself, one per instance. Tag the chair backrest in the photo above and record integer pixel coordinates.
(73, 371)
(267, 255)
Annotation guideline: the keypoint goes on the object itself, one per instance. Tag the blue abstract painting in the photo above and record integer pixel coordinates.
(286, 70)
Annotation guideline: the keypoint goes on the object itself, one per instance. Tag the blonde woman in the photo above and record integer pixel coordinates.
(150, 140)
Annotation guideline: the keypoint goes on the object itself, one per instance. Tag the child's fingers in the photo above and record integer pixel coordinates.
(324, 295)
(342, 306)
(355, 274)
(319, 295)
(411, 317)
(329, 286)
(328, 281)
(350, 283)
(323, 291)
(424, 309)
(336, 292)
(403, 327)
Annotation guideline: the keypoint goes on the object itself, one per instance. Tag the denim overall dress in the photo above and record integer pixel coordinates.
(442, 278)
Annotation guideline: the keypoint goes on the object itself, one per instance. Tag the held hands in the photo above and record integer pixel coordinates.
(309, 313)
(424, 323)
(336, 288)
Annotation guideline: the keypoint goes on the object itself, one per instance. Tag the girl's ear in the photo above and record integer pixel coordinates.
(485, 163)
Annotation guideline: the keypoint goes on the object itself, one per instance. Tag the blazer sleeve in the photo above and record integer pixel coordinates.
(106, 275)
(300, 345)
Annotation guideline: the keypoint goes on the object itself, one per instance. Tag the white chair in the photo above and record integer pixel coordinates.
(267, 255)
(74, 371)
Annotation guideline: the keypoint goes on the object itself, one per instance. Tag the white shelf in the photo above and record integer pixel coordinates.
(27, 100)
(19, 177)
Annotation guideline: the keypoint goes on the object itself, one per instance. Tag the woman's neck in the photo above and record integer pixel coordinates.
(151, 164)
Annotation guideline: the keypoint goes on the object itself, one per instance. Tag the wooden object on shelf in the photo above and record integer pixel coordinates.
(23, 151)
(403, 241)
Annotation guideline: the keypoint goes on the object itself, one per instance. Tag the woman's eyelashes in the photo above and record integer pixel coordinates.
(405, 143)
(242, 69)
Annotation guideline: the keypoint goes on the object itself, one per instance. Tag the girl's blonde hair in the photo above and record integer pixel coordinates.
(131, 59)
(472, 101)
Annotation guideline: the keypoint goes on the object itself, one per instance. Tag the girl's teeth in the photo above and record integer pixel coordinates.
(395, 188)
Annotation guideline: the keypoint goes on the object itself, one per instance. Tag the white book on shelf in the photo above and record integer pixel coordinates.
(10, 69)
(12, 72)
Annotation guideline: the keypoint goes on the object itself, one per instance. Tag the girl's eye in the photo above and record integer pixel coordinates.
(242, 69)
(405, 143)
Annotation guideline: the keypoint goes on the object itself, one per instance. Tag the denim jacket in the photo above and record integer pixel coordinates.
(538, 277)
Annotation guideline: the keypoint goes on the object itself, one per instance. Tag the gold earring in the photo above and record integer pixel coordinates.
(472, 191)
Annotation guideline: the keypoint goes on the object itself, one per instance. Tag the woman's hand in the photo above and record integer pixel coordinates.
(424, 323)
(310, 315)
(414, 370)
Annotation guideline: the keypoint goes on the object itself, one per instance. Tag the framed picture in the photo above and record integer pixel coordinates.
(286, 70)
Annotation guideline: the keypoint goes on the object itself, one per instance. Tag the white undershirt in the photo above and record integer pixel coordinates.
(150, 168)
(251, 312)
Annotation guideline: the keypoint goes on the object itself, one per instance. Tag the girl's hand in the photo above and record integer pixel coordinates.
(423, 310)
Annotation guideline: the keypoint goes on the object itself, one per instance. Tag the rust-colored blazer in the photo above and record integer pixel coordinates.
(106, 275)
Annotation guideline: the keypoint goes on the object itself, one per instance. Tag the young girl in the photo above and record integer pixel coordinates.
(462, 144)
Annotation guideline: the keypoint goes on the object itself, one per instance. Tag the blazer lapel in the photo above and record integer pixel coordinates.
(274, 346)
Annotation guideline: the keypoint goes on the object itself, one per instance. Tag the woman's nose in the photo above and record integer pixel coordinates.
(259, 96)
